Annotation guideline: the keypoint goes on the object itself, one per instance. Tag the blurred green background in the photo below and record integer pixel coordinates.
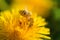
(53, 19)
(4, 4)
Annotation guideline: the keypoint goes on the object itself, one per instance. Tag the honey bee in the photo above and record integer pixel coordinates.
(28, 17)
(24, 13)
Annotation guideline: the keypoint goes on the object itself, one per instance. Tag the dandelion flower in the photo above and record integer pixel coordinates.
(22, 25)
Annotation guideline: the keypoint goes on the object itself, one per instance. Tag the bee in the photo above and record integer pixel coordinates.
(24, 13)
(28, 17)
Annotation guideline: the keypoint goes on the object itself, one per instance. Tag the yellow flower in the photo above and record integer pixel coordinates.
(21, 25)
